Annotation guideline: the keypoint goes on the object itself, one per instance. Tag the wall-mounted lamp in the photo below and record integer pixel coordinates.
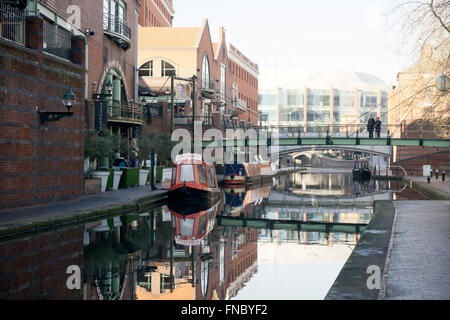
(68, 100)
(89, 32)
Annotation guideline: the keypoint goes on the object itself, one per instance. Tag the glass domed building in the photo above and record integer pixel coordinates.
(338, 100)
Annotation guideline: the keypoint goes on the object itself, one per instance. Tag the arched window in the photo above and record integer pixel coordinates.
(146, 70)
(205, 72)
(167, 69)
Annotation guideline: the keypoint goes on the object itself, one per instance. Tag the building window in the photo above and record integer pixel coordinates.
(12, 23)
(57, 40)
(167, 69)
(223, 71)
(146, 70)
(205, 73)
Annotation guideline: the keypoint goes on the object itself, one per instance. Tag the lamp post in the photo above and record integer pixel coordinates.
(68, 100)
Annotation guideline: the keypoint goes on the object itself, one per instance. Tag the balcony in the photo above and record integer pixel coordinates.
(208, 87)
(118, 30)
(125, 112)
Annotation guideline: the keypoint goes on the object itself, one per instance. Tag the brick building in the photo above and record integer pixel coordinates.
(41, 162)
(420, 109)
(89, 46)
(188, 52)
(245, 74)
(156, 13)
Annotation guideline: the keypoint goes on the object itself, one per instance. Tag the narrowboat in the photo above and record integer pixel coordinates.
(361, 170)
(258, 171)
(190, 229)
(194, 183)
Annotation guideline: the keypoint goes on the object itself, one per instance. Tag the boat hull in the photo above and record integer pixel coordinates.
(187, 200)
(361, 174)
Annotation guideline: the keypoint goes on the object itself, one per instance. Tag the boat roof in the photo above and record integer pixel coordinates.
(190, 158)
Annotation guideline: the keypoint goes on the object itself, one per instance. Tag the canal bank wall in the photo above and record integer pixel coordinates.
(370, 257)
(18, 222)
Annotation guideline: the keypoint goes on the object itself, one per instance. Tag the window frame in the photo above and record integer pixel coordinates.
(146, 69)
(206, 72)
(165, 69)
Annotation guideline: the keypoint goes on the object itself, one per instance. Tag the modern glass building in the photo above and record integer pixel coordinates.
(336, 100)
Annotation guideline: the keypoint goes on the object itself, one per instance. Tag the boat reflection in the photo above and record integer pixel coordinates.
(190, 229)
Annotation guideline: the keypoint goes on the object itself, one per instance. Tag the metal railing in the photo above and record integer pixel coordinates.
(57, 41)
(117, 25)
(360, 130)
(125, 111)
(208, 84)
(12, 23)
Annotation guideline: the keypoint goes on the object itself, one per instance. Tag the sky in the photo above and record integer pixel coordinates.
(292, 39)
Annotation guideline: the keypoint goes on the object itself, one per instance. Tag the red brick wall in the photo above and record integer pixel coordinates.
(154, 14)
(248, 90)
(414, 165)
(40, 162)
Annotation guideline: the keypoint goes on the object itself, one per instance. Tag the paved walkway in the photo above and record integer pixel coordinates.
(420, 259)
(84, 203)
(444, 185)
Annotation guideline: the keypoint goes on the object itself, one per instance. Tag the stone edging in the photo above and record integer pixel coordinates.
(372, 250)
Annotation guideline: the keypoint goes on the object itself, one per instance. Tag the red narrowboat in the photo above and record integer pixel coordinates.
(194, 183)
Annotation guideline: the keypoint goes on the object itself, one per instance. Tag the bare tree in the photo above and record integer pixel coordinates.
(425, 29)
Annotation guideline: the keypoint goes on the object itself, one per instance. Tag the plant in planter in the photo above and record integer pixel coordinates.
(96, 147)
(144, 149)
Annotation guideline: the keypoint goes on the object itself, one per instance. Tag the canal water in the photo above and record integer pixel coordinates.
(293, 253)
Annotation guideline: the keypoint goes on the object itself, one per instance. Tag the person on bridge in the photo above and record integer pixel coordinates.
(378, 127)
(371, 127)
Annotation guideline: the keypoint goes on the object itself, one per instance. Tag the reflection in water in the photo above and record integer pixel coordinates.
(163, 255)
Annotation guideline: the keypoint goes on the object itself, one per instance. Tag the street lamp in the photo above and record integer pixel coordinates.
(443, 82)
(68, 100)
(109, 86)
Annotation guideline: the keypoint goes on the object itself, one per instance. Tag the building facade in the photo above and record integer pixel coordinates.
(156, 13)
(111, 53)
(89, 46)
(336, 100)
(245, 74)
(42, 159)
(420, 110)
(187, 53)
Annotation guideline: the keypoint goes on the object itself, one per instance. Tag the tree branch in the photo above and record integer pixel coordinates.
(438, 17)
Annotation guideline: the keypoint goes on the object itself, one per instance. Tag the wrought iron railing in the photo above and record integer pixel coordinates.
(57, 41)
(117, 25)
(125, 111)
(208, 84)
(12, 23)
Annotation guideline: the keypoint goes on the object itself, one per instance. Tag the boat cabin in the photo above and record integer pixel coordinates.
(190, 169)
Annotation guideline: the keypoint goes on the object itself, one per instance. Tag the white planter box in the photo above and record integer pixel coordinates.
(102, 175)
(143, 173)
(117, 175)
